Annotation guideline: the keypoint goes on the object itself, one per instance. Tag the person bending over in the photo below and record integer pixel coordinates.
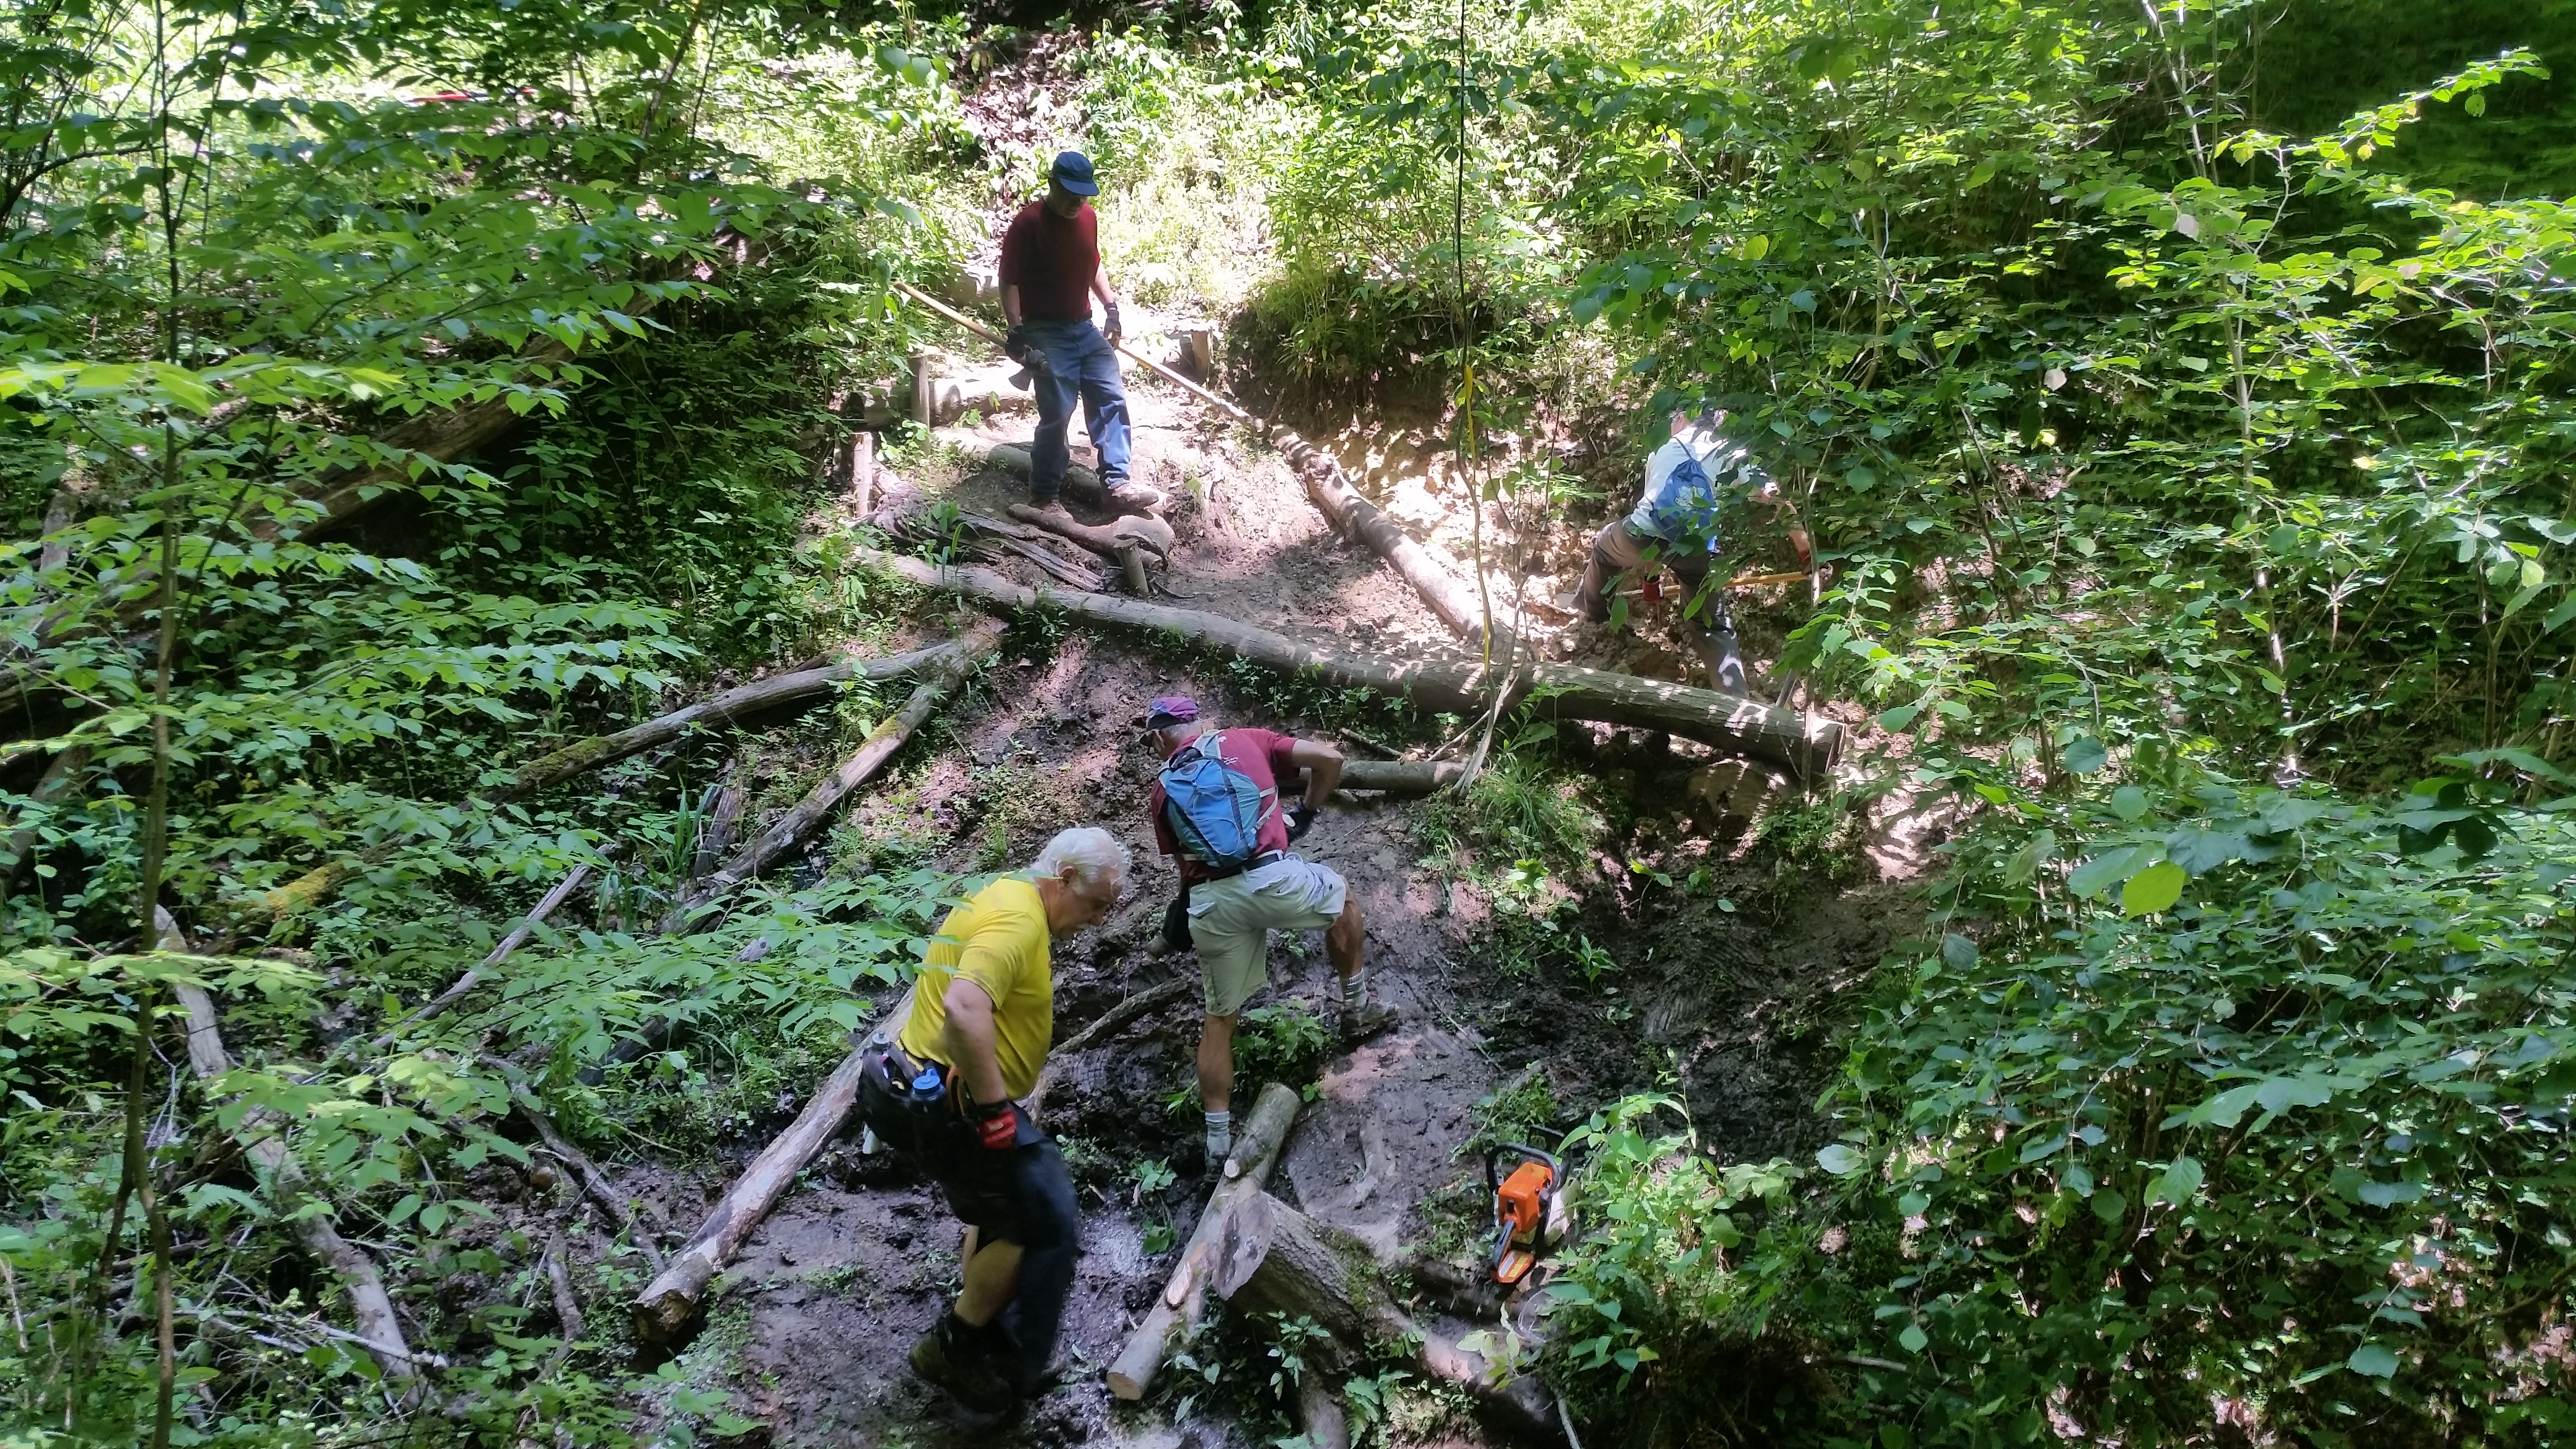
(1216, 808)
(1051, 269)
(941, 1091)
(1692, 482)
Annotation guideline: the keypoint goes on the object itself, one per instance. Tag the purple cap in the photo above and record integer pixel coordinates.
(1171, 709)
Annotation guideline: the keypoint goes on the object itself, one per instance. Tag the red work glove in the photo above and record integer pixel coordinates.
(999, 1126)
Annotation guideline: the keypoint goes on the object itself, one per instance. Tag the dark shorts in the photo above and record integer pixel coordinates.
(1023, 1196)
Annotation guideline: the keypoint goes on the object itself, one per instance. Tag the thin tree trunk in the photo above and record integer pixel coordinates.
(668, 1303)
(808, 815)
(371, 1308)
(1804, 747)
(1184, 1299)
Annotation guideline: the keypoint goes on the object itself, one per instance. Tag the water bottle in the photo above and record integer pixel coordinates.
(926, 1087)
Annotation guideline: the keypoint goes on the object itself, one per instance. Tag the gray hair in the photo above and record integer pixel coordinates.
(1093, 854)
(1181, 732)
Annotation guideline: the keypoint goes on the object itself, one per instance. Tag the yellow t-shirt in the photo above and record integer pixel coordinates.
(998, 940)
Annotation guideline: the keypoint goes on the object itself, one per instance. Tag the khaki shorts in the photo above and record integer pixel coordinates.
(1231, 920)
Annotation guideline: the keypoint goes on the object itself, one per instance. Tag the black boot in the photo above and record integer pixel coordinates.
(966, 1361)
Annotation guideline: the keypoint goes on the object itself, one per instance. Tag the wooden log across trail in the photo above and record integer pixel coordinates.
(1281, 1261)
(807, 816)
(1184, 1300)
(671, 1300)
(1805, 747)
(1080, 483)
(1402, 777)
(370, 1307)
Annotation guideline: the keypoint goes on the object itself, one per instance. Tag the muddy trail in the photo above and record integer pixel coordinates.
(1701, 958)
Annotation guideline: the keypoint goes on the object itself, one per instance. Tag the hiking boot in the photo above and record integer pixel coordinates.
(958, 1357)
(1051, 507)
(1136, 498)
(1368, 1019)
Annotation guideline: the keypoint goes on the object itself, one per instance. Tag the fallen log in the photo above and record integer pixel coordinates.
(1112, 1021)
(370, 1307)
(1805, 747)
(668, 1303)
(1080, 482)
(586, 1174)
(1402, 777)
(1131, 530)
(474, 975)
(1184, 1300)
(1286, 1262)
(1432, 574)
(798, 825)
(723, 823)
(779, 691)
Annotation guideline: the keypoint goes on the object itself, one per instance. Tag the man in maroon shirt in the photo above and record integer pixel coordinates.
(1233, 911)
(1051, 269)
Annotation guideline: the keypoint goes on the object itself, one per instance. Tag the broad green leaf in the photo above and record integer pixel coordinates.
(2154, 889)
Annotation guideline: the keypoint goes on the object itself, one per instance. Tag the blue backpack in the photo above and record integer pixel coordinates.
(1215, 809)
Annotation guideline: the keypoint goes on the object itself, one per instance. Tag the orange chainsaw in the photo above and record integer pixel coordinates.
(1528, 1213)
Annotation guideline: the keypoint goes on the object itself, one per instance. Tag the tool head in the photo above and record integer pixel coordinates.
(1522, 1209)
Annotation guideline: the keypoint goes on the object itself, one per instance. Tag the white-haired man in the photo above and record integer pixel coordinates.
(942, 1091)
(1216, 810)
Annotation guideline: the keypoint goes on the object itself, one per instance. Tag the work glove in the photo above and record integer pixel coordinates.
(1301, 818)
(998, 1126)
(1805, 546)
(1015, 344)
(1115, 328)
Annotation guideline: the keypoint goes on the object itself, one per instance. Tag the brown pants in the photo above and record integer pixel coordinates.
(1619, 551)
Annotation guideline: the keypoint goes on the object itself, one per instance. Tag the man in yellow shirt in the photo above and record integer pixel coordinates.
(941, 1092)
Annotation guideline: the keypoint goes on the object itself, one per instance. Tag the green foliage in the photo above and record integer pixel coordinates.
(1658, 1284)
(1282, 1042)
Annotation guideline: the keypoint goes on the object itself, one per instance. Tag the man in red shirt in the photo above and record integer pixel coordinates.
(1233, 910)
(1051, 269)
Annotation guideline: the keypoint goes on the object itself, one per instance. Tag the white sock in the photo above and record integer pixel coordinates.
(1220, 1137)
(1352, 989)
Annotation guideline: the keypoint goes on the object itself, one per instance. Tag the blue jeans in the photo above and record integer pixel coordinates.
(1078, 363)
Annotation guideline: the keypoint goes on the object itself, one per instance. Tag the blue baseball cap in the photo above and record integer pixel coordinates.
(1072, 171)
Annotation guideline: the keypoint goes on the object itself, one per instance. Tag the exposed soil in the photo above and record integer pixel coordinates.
(1724, 985)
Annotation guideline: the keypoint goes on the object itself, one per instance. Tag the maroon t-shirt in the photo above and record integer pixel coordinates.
(1262, 756)
(1051, 259)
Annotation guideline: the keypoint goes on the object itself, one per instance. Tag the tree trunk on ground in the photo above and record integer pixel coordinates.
(1115, 1019)
(780, 691)
(671, 1300)
(798, 825)
(1105, 540)
(724, 822)
(1432, 574)
(1320, 1410)
(1289, 1263)
(1080, 483)
(1184, 1300)
(1806, 748)
(1402, 777)
(370, 1307)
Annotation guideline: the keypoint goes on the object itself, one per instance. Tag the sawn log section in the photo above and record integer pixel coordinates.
(1805, 747)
